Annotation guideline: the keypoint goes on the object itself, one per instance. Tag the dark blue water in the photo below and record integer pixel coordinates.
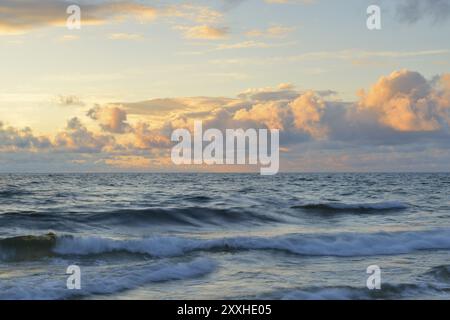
(163, 236)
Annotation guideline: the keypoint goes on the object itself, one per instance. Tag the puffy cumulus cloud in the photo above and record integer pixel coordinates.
(74, 138)
(147, 138)
(412, 11)
(442, 85)
(77, 138)
(308, 111)
(273, 114)
(111, 119)
(402, 114)
(12, 139)
(400, 108)
(133, 137)
(406, 101)
(308, 115)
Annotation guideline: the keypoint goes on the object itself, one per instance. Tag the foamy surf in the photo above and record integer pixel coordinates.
(110, 280)
(133, 237)
(341, 244)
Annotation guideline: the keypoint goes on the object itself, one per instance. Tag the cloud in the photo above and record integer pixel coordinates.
(412, 11)
(284, 91)
(308, 111)
(17, 17)
(77, 138)
(158, 111)
(400, 108)
(24, 15)
(146, 138)
(111, 119)
(203, 32)
(69, 100)
(406, 101)
(196, 13)
(272, 114)
(12, 139)
(274, 31)
(401, 114)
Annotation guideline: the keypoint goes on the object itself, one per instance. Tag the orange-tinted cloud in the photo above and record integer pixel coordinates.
(203, 32)
(400, 111)
(111, 119)
(404, 101)
(24, 15)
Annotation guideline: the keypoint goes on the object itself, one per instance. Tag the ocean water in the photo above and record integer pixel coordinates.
(225, 236)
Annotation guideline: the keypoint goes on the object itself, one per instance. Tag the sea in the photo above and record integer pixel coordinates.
(225, 236)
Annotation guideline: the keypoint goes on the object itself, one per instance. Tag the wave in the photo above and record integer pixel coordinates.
(353, 207)
(13, 192)
(343, 244)
(187, 216)
(194, 216)
(112, 280)
(339, 245)
(440, 273)
(27, 247)
(388, 291)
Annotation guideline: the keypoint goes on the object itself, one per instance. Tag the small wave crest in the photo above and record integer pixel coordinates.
(194, 216)
(353, 207)
(186, 216)
(27, 247)
(440, 273)
(11, 192)
(389, 291)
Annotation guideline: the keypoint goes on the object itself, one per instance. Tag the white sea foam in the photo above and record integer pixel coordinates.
(341, 244)
(111, 280)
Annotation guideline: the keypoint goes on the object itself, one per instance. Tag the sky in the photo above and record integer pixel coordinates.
(106, 97)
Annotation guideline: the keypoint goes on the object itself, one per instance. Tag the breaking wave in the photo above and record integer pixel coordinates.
(111, 281)
(340, 245)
